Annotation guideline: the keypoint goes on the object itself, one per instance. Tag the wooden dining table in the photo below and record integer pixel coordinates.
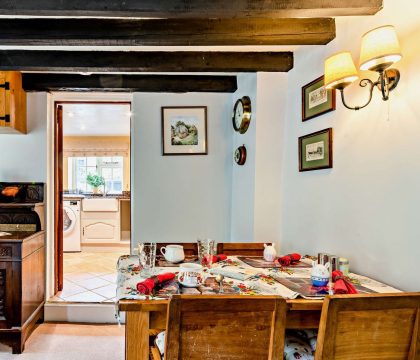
(145, 317)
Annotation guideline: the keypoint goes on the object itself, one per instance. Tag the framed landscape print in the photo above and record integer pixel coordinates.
(316, 100)
(184, 130)
(316, 151)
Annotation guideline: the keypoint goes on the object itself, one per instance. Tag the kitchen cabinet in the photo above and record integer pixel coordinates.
(100, 220)
(12, 103)
(100, 230)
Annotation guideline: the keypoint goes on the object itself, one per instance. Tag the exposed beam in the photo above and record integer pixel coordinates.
(191, 8)
(129, 83)
(147, 61)
(129, 32)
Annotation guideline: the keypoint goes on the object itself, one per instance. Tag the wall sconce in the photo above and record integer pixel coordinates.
(380, 49)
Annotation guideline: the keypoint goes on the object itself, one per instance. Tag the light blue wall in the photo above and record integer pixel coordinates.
(24, 157)
(179, 198)
(365, 208)
(243, 177)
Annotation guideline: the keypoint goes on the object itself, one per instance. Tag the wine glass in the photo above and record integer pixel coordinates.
(147, 258)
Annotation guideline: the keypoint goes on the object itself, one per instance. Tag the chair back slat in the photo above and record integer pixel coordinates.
(225, 327)
(246, 249)
(373, 326)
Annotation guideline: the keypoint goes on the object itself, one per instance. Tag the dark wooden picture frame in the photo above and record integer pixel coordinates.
(327, 151)
(324, 107)
(167, 143)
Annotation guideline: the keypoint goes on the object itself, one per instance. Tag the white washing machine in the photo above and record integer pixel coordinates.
(71, 225)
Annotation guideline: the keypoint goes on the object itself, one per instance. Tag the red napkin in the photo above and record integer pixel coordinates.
(289, 259)
(214, 258)
(146, 287)
(341, 285)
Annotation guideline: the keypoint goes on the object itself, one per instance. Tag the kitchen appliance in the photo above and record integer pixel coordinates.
(71, 226)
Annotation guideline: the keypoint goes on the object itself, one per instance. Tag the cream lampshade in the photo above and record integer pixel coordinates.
(380, 49)
(340, 71)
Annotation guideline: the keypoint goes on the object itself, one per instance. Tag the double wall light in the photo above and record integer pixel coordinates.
(380, 49)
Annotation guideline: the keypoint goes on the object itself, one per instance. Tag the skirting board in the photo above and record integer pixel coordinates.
(81, 313)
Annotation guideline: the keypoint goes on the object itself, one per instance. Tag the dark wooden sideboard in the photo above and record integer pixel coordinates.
(22, 286)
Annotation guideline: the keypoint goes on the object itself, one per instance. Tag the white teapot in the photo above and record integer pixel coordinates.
(320, 274)
(269, 252)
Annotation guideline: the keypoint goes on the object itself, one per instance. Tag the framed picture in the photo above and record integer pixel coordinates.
(316, 100)
(184, 130)
(316, 150)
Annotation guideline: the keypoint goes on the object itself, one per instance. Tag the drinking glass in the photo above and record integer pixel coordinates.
(205, 251)
(147, 258)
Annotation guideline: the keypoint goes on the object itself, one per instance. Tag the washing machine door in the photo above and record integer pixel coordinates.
(69, 220)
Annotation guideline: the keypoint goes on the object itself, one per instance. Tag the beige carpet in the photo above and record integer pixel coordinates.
(71, 342)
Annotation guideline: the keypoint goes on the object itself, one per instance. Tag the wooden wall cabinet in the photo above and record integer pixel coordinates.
(22, 287)
(12, 103)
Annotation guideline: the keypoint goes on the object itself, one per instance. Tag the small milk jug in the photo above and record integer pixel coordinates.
(269, 252)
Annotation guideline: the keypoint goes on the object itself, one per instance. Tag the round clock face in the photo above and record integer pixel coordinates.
(242, 115)
(237, 155)
(239, 114)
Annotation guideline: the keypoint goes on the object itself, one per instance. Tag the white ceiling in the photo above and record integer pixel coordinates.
(96, 119)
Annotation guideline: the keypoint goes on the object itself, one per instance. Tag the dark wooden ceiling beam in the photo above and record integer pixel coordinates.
(129, 83)
(191, 8)
(155, 32)
(145, 61)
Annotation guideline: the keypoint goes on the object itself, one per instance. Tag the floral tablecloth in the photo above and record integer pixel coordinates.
(263, 282)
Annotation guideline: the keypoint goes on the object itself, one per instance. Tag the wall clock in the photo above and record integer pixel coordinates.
(240, 155)
(241, 117)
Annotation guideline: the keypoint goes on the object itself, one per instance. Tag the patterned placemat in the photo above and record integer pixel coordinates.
(303, 286)
(259, 262)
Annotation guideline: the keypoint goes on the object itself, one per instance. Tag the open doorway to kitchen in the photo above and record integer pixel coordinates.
(92, 198)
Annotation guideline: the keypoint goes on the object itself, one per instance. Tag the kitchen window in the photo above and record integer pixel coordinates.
(109, 167)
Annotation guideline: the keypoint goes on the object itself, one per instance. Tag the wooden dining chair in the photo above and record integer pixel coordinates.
(201, 327)
(245, 249)
(189, 248)
(374, 326)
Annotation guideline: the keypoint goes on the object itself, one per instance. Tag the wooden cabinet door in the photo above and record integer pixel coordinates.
(12, 102)
(100, 230)
(10, 288)
(4, 100)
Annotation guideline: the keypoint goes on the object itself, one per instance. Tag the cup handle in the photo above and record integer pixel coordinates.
(163, 250)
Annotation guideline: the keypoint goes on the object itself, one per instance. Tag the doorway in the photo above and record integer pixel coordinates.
(92, 198)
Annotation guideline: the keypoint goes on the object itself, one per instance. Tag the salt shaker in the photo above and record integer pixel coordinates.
(343, 266)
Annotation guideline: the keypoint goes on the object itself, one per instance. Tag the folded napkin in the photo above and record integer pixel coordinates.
(214, 258)
(289, 259)
(341, 284)
(146, 287)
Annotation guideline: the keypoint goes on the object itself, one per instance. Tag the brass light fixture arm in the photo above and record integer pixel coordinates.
(387, 81)
(363, 83)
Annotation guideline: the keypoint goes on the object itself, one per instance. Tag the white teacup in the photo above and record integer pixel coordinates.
(173, 253)
(190, 275)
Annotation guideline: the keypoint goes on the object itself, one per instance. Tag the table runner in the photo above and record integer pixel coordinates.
(262, 283)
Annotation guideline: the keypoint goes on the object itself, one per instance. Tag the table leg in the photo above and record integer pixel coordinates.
(137, 335)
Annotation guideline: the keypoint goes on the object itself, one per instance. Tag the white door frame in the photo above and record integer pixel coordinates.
(52, 98)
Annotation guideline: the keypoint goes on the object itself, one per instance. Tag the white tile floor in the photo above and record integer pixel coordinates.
(89, 276)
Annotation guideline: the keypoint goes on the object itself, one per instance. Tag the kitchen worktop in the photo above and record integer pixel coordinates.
(18, 236)
(96, 196)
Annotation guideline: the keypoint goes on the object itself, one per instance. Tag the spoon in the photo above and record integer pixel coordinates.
(219, 279)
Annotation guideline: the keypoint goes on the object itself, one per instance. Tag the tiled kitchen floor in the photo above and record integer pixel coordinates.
(89, 277)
